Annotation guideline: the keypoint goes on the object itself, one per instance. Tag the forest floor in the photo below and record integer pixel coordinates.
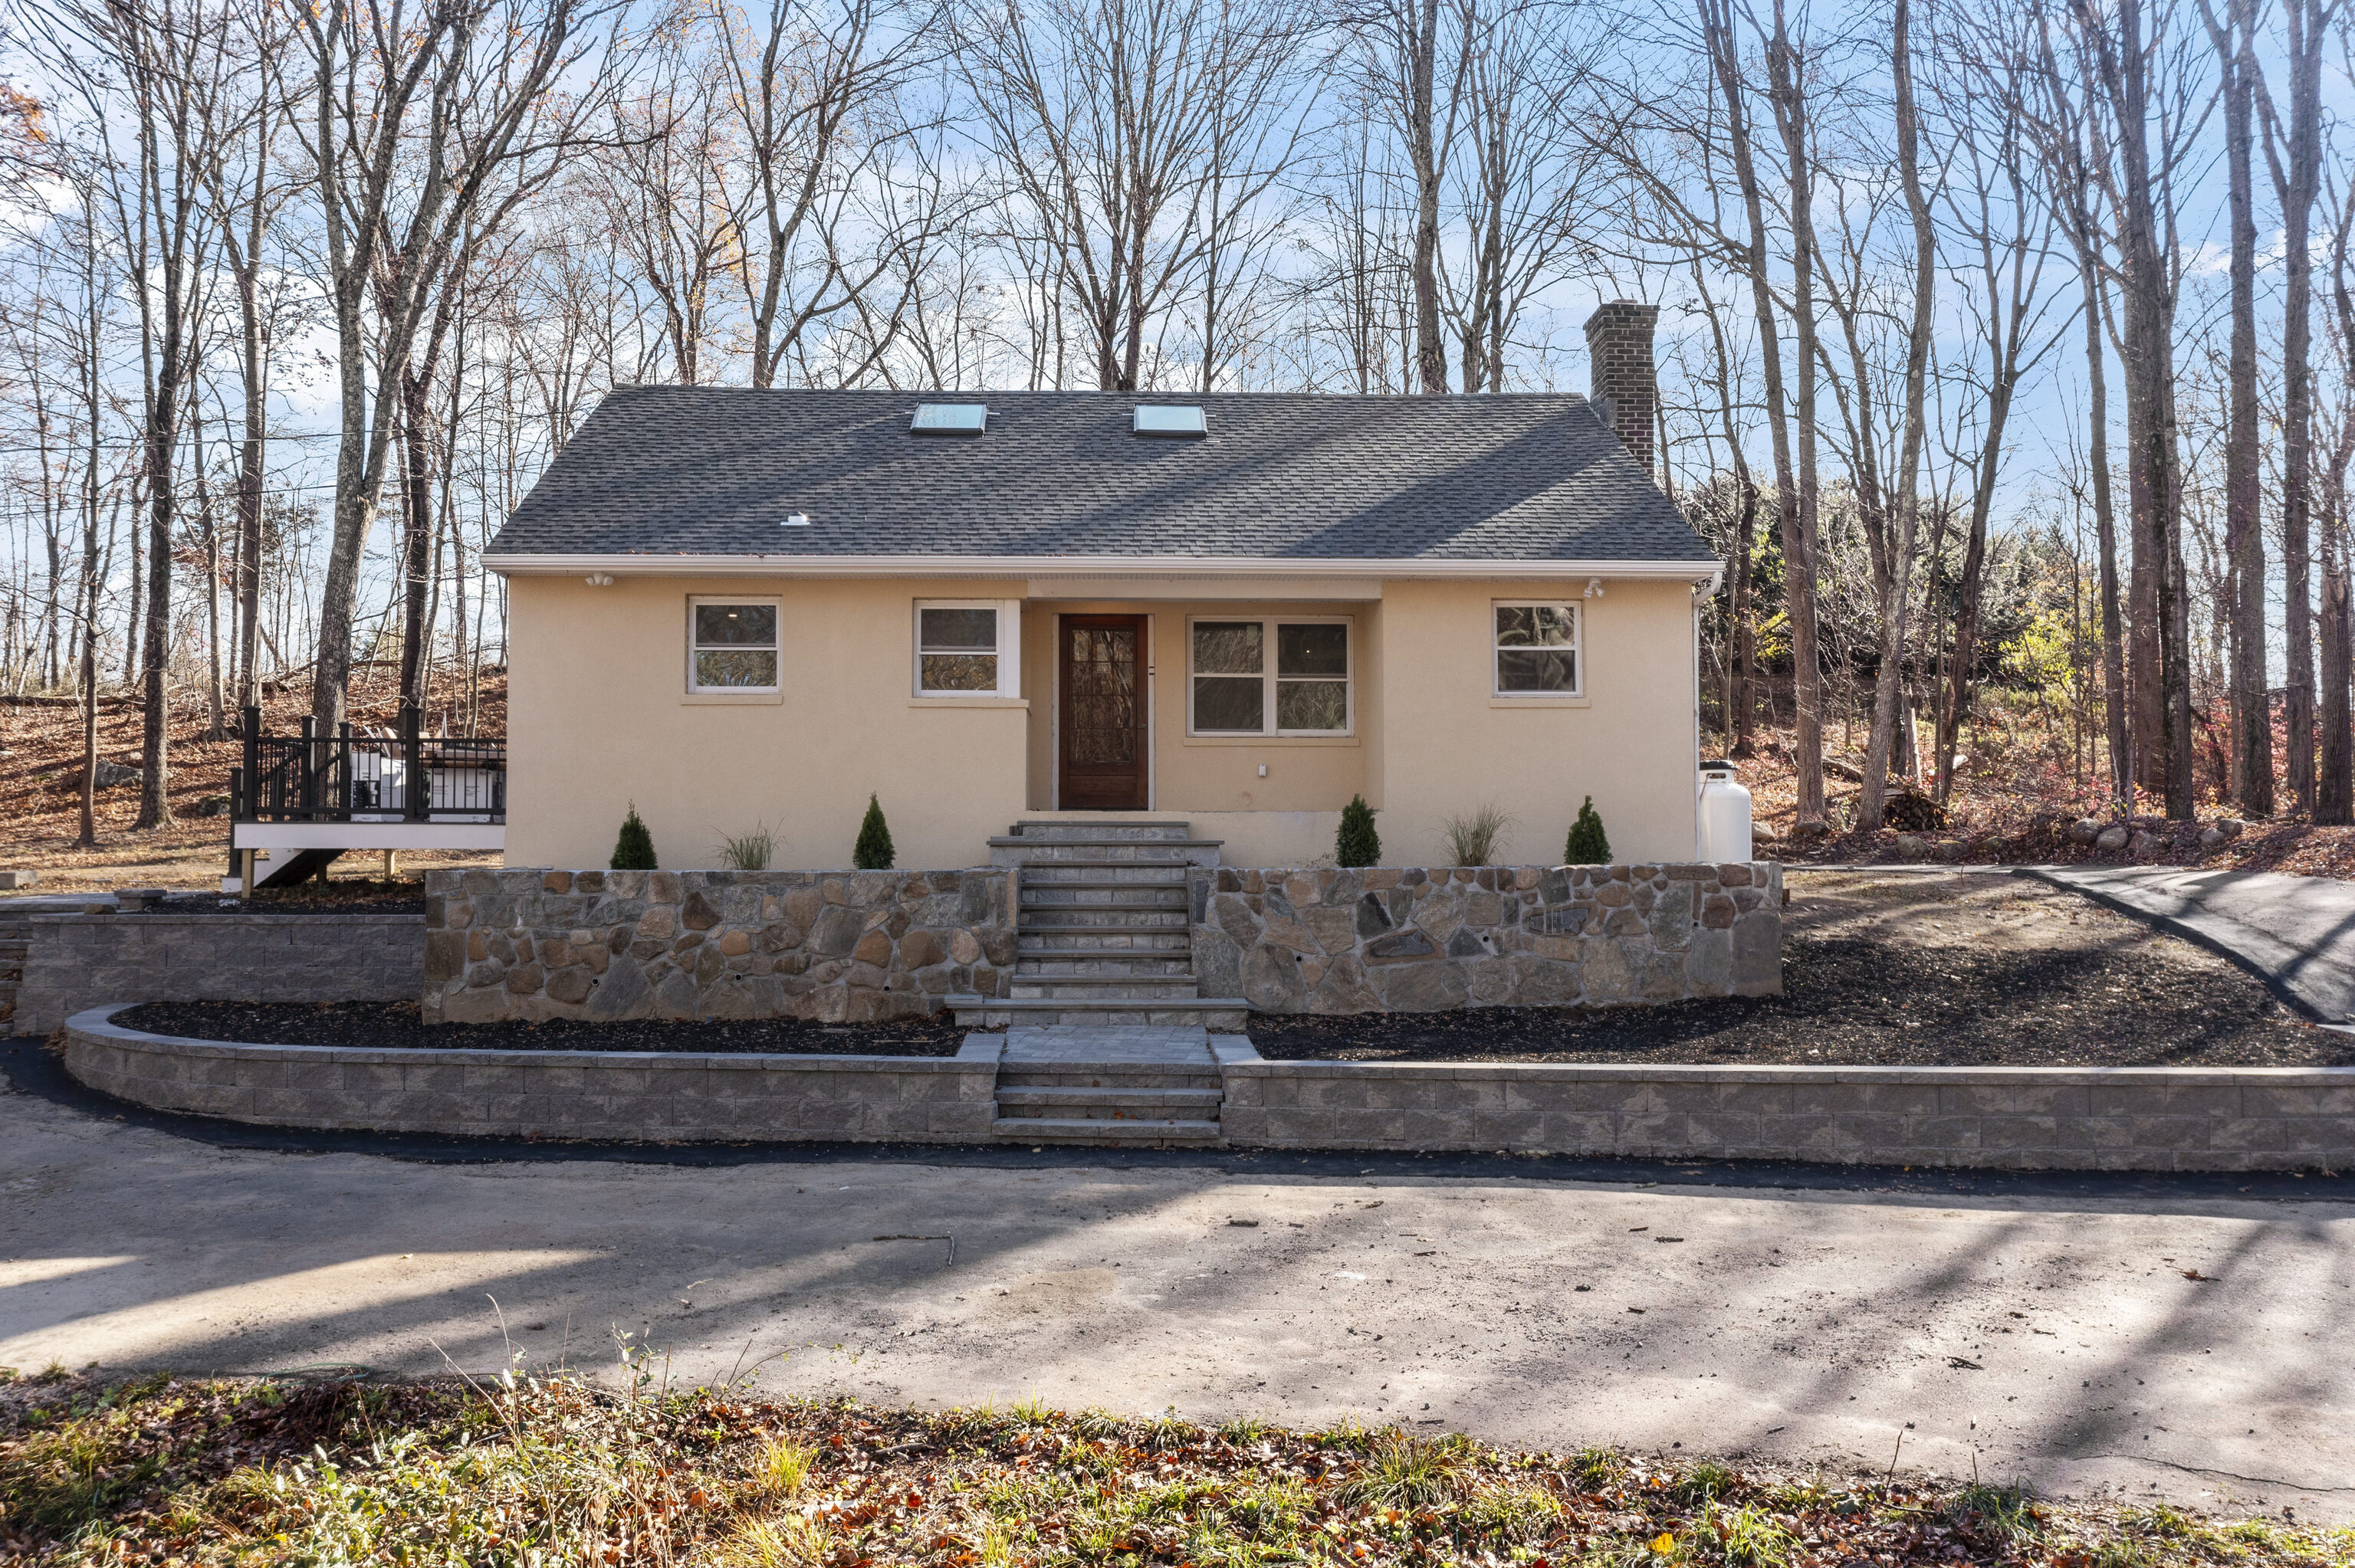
(2021, 786)
(40, 789)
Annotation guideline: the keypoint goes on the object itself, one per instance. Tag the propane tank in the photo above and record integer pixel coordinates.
(1724, 814)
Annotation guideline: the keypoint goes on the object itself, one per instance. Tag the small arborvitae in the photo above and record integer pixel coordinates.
(873, 850)
(1357, 844)
(633, 848)
(1587, 846)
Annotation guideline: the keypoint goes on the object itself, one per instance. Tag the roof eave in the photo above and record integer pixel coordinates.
(1409, 568)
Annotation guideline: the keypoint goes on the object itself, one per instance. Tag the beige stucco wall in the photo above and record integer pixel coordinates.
(600, 717)
(1629, 741)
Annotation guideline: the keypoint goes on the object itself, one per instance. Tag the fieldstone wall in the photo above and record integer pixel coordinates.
(839, 947)
(74, 961)
(1425, 939)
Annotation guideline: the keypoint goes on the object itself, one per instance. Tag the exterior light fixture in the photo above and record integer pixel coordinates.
(599, 579)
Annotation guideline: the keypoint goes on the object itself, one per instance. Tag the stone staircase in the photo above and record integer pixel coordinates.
(1102, 930)
(1127, 1103)
(16, 945)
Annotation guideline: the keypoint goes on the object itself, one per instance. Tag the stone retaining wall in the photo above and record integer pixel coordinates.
(74, 961)
(848, 946)
(2052, 1119)
(591, 1095)
(1421, 940)
(2065, 1118)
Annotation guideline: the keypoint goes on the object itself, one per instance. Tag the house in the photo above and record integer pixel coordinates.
(734, 608)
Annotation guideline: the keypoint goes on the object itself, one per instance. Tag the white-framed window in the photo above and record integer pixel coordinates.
(1268, 675)
(731, 644)
(1535, 651)
(969, 648)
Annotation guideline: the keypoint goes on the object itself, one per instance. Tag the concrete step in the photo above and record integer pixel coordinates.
(1077, 919)
(1111, 896)
(1121, 852)
(1097, 1129)
(1104, 941)
(1113, 1077)
(1096, 830)
(1230, 1012)
(1132, 966)
(1124, 1104)
(1139, 988)
(1103, 873)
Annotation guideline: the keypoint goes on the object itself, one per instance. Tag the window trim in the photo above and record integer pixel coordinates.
(1349, 679)
(695, 688)
(1009, 652)
(1577, 650)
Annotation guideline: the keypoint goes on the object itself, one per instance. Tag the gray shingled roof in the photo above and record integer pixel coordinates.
(710, 471)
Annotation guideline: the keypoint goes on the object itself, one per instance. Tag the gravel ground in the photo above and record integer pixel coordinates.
(395, 1025)
(1893, 970)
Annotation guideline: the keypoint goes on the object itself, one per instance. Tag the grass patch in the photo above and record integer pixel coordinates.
(529, 1474)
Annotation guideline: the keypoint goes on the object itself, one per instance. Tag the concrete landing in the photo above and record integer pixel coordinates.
(1156, 1045)
(2295, 933)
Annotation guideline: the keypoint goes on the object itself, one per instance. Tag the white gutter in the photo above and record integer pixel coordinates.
(1405, 568)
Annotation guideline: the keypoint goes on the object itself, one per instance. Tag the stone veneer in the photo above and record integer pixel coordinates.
(841, 946)
(1423, 939)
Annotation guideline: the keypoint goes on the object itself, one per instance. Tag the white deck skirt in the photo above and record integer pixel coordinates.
(387, 835)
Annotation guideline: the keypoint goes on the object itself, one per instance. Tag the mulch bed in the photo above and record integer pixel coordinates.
(396, 1026)
(1853, 1003)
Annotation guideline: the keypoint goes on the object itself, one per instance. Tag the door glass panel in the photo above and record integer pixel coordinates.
(1103, 695)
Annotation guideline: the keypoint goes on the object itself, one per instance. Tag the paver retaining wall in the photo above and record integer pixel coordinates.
(838, 946)
(2052, 1119)
(2112, 1118)
(1420, 939)
(74, 961)
(596, 1095)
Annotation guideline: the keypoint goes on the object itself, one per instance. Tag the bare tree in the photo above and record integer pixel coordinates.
(1108, 118)
(1886, 697)
(2294, 155)
(412, 116)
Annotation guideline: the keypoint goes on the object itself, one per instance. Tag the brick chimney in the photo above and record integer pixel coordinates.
(1623, 389)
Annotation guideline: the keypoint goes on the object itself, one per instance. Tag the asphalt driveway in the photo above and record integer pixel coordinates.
(2060, 1338)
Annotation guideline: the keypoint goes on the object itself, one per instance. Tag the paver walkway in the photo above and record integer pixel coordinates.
(2297, 933)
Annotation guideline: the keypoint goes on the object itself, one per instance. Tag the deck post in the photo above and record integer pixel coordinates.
(416, 791)
(240, 806)
(344, 768)
(310, 769)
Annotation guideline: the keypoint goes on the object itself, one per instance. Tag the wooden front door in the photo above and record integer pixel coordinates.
(1102, 718)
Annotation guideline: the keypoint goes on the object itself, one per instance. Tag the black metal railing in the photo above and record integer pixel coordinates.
(345, 777)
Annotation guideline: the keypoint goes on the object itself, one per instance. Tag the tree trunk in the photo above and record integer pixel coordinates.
(1799, 525)
(2244, 546)
(2308, 24)
(417, 504)
(1430, 348)
(1888, 697)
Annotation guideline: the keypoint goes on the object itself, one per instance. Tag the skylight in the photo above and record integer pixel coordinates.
(949, 420)
(1169, 420)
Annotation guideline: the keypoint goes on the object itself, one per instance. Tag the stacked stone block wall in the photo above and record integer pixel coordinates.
(1387, 939)
(633, 1095)
(839, 947)
(74, 961)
